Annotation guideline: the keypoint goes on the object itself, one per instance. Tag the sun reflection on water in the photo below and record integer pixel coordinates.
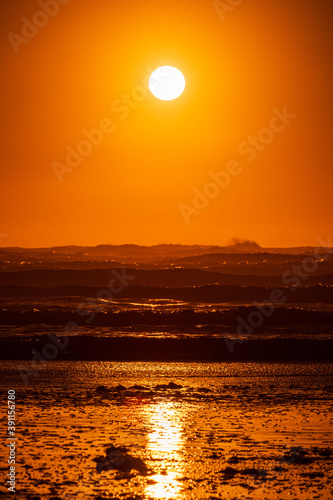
(165, 445)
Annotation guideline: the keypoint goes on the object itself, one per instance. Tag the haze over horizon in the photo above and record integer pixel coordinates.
(235, 244)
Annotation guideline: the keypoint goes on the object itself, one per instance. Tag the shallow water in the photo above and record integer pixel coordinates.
(232, 430)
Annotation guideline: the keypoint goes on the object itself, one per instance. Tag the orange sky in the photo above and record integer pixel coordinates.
(71, 75)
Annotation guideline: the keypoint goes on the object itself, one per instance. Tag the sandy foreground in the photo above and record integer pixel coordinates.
(172, 430)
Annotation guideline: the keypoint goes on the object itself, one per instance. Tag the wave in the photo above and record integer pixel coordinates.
(205, 294)
(93, 318)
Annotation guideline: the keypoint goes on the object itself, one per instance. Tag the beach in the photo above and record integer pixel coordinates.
(176, 430)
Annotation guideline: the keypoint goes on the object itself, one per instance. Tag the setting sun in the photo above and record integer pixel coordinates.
(167, 83)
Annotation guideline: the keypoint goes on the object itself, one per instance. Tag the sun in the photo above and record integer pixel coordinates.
(166, 83)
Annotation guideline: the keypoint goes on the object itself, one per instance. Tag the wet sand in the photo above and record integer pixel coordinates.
(173, 430)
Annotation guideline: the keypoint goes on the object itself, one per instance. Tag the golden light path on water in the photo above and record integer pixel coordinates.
(164, 443)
